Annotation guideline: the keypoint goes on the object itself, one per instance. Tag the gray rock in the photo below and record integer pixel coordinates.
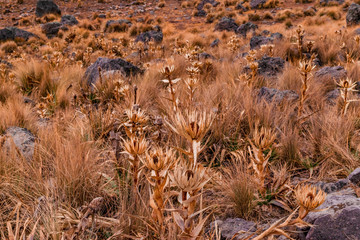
(23, 139)
(332, 96)
(51, 29)
(333, 186)
(353, 15)
(257, 3)
(240, 7)
(200, 13)
(277, 36)
(201, 5)
(215, 43)
(107, 64)
(257, 41)
(331, 73)
(354, 177)
(9, 65)
(357, 31)
(327, 2)
(205, 55)
(245, 28)
(277, 96)
(232, 226)
(69, 20)
(265, 33)
(13, 33)
(112, 24)
(339, 220)
(156, 35)
(44, 7)
(270, 66)
(226, 24)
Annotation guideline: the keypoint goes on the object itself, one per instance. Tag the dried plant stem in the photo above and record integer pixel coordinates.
(303, 94)
(346, 103)
(172, 93)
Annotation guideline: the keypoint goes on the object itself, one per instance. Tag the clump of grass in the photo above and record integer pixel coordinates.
(254, 17)
(242, 196)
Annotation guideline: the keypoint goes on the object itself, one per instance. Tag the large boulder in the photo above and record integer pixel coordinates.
(22, 139)
(200, 7)
(277, 96)
(226, 24)
(51, 29)
(117, 25)
(69, 20)
(270, 66)
(110, 65)
(13, 33)
(245, 28)
(257, 3)
(331, 73)
(353, 15)
(44, 7)
(339, 219)
(257, 41)
(156, 35)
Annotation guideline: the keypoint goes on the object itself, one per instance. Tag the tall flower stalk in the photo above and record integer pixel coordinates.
(167, 71)
(305, 67)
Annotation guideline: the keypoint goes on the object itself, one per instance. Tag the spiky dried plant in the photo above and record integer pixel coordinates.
(305, 67)
(300, 38)
(253, 64)
(190, 181)
(309, 46)
(262, 142)
(134, 147)
(167, 71)
(346, 86)
(234, 43)
(136, 121)
(193, 125)
(159, 162)
(309, 198)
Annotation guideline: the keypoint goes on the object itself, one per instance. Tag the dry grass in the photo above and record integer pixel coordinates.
(155, 156)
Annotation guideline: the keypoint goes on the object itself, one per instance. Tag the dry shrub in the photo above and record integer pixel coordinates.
(14, 112)
(32, 76)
